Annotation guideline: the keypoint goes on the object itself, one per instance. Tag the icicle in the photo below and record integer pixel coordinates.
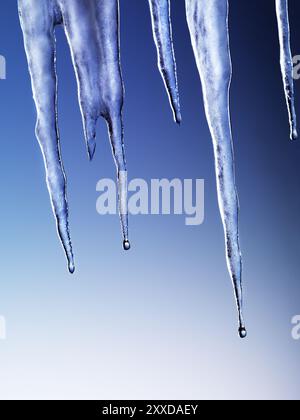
(37, 21)
(286, 61)
(208, 24)
(87, 23)
(162, 32)
(98, 70)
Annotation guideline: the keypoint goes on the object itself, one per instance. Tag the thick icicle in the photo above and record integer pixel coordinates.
(38, 21)
(92, 29)
(208, 24)
(286, 62)
(162, 32)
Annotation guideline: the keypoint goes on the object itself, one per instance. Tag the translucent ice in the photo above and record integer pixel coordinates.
(162, 32)
(92, 30)
(208, 24)
(286, 61)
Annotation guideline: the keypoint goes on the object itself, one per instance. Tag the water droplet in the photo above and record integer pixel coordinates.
(243, 332)
(126, 245)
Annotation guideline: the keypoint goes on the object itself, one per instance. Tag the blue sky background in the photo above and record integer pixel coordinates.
(158, 322)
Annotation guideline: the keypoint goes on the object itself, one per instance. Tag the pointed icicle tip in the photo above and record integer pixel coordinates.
(91, 145)
(178, 118)
(294, 134)
(71, 267)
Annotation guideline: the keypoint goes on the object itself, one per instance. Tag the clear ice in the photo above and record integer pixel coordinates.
(208, 25)
(92, 30)
(162, 32)
(286, 61)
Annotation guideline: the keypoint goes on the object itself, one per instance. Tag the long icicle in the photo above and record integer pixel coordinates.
(162, 32)
(38, 21)
(100, 85)
(208, 24)
(286, 62)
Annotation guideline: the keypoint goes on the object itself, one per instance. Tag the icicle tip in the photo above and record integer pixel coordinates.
(126, 245)
(294, 134)
(91, 146)
(71, 267)
(178, 117)
(243, 333)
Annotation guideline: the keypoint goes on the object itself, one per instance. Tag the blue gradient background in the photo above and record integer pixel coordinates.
(160, 321)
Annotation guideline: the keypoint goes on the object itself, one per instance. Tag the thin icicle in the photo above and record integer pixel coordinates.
(286, 62)
(162, 32)
(208, 24)
(38, 21)
(98, 71)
